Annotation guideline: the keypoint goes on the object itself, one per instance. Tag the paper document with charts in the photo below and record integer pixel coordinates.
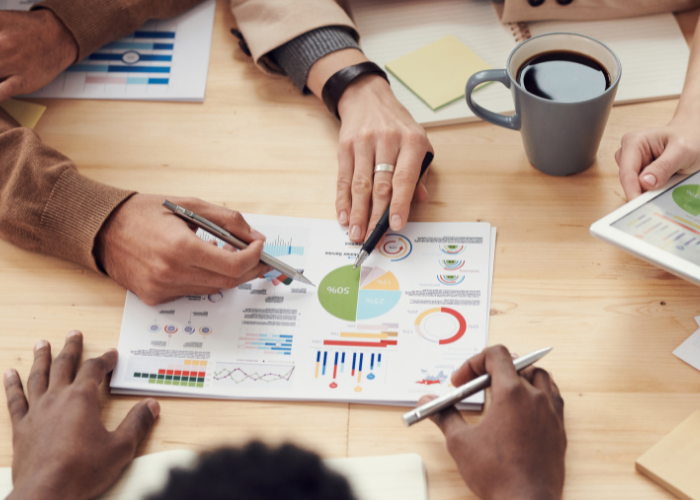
(386, 333)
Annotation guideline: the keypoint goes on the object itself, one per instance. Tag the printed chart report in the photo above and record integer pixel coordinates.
(386, 333)
(163, 60)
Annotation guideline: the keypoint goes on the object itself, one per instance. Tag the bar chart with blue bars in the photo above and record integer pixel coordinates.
(279, 248)
(163, 60)
(350, 366)
(267, 343)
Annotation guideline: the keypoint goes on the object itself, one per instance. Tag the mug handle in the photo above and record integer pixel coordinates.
(490, 75)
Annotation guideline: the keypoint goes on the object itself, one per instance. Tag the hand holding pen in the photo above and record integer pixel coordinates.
(517, 449)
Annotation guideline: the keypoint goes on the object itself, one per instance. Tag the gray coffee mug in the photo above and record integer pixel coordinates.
(560, 138)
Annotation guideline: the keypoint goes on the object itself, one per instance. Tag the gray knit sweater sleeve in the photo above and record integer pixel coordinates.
(297, 56)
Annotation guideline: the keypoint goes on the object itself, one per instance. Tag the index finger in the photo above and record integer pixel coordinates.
(66, 363)
(496, 361)
(231, 220)
(404, 183)
(224, 262)
(630, 162)
(94, 370)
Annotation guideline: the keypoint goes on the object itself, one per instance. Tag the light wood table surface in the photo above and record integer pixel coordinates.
(258, 146)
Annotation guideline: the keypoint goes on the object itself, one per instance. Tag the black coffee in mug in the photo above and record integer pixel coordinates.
(563, 76)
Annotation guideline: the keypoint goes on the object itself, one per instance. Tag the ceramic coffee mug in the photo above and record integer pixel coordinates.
(560, 138)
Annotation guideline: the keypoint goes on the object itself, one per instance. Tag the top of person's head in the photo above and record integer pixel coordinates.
(257, 472)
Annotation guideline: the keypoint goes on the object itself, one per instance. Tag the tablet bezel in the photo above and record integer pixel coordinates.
(604, 230)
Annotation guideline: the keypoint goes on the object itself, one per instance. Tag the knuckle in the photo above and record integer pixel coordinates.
(403, 176)
(361, 185)
(235, 217)
(344, 183)
(365, 136)
(389, 135)
(500, 350)
(36, 378)
(631, 138)
(345, 145)
(415, 137)
(382, 189)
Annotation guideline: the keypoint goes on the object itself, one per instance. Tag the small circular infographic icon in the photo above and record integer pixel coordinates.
(205, 330)
(216, 297)
(452, 249)
(395, 246)
(450, 279)
(189, 329)
(131, 57)
(170, 329)
(451, 264)
(154, 328)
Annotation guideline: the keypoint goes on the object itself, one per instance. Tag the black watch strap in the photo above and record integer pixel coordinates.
(336, 84)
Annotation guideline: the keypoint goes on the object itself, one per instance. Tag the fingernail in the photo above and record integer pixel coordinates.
(343, 218)
(40, 345)
(257, 234)
(10, 374)
(73, 333)
(154, 407)
(649, 179)
(514, 355)
(396, 222)
(355, 232)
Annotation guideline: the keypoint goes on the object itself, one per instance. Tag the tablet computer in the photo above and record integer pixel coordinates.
(661, 227)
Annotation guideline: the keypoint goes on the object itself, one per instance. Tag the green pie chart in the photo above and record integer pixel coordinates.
(357, 294)
(688, 198)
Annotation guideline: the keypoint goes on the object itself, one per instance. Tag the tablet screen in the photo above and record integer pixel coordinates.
(671, 221)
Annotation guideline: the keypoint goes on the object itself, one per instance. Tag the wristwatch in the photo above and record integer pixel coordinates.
(336, 84)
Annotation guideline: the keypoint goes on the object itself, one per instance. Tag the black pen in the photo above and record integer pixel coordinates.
(383, 225)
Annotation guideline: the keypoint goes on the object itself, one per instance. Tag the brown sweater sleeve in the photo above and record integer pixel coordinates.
(95, 23)
(45, 204)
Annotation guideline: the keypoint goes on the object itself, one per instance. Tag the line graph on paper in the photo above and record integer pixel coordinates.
(254, 376)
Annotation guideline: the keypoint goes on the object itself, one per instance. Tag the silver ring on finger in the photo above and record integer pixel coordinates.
(384, 167)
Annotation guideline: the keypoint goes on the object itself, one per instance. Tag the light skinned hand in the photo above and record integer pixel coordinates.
(517, 450)
(375, 128)
(147, 249)
(61, 448)
(648, 158)
(34, 48)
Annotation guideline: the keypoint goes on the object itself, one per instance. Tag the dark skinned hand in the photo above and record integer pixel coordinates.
(517, 450)
(61, 448)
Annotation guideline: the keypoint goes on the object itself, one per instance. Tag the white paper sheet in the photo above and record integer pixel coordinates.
(162, 61)
(405, 328)
(689, 351)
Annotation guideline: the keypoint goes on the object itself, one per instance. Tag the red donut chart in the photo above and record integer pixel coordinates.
(461, 329)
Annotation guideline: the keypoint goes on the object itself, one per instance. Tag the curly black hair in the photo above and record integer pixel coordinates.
(257, 472)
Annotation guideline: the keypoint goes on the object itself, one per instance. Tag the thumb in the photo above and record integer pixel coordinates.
(660, 170)
(137, 423)
(449, 420)
(9, 87)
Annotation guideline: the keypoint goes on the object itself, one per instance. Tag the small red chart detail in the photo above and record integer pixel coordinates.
(441, 325)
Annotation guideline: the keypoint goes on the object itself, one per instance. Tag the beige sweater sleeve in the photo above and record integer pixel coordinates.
(95, 23)
(45, 204)
(268, 24)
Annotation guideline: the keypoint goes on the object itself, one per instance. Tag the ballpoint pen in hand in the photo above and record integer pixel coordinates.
(383, 225)
(224, 235)
(472, 387)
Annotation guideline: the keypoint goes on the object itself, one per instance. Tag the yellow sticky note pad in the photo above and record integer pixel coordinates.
(438, 73)
(27, 114)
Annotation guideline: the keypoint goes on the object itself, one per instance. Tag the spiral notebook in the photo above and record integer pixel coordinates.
(652, 49)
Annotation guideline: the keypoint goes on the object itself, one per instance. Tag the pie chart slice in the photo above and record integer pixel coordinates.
(441, 325)
(354, 294)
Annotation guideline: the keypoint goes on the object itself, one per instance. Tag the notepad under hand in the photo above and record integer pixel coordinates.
(674, 461)
(438, 73)
(27, 114)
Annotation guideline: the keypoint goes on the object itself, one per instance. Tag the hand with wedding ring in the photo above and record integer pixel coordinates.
(379, 158)
(380, 151)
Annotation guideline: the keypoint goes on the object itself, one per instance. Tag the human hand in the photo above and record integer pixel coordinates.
(517, 450)
(34, 48)
(61, 448)
(648, 158)
(376, 128)
(149, 250)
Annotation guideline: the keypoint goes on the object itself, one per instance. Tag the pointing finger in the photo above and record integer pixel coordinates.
(65, 365)
(16, 402)
(38, 380)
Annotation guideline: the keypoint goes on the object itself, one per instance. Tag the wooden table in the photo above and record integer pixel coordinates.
(258, 146)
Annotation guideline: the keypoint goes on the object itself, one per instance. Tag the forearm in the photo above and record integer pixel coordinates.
(94, 23)
(46, 206)
(688, 109)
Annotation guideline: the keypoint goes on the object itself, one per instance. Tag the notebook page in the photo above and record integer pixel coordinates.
(392, 477)
(652, 50)
(393, 28)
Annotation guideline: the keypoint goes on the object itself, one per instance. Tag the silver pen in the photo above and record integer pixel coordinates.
(472, 387)
(224, 235)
